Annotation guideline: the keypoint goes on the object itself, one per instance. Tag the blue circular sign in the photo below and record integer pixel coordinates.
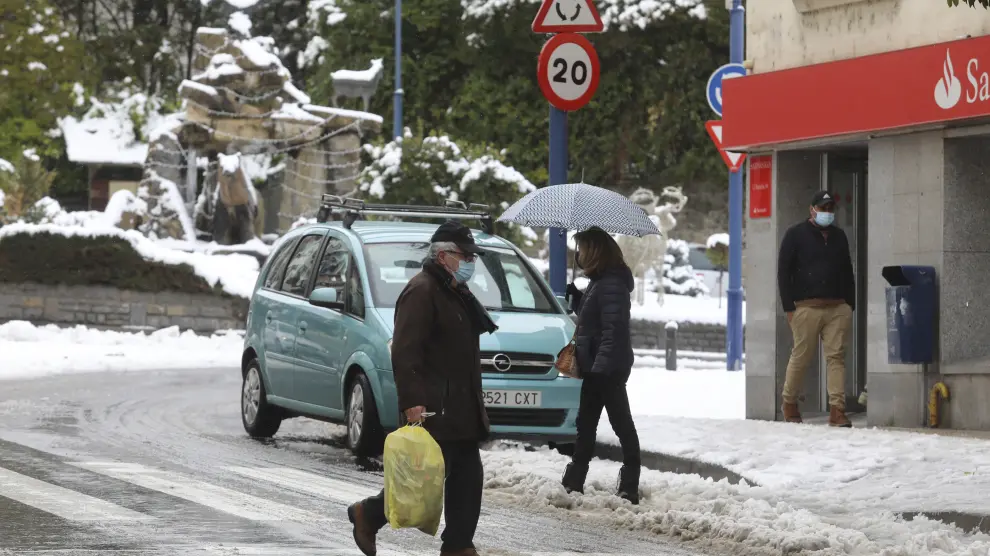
(714, 89)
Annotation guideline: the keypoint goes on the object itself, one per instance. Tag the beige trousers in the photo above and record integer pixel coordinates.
(832, 325)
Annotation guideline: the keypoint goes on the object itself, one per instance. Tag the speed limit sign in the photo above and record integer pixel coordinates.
(568, 71)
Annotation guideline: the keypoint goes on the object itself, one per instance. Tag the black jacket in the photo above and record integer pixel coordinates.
(603, 342)
(811, 266)
(435, 355)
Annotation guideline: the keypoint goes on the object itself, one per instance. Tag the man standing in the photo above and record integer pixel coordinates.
(436, 362)
(818, 293)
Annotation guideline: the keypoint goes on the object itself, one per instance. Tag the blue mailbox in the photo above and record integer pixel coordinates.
(911, 314)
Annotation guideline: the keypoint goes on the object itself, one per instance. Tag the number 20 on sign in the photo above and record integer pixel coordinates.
(568, 71)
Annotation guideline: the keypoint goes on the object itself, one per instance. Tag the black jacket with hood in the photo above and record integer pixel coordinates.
(603, 342)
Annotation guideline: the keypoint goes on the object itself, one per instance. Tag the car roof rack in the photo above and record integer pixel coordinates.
(356, 209)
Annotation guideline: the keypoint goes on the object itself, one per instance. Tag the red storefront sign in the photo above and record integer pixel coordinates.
(917, 86)
(760, 186)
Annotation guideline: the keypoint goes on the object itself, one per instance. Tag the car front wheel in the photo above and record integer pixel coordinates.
(260, 419)
(364, 431)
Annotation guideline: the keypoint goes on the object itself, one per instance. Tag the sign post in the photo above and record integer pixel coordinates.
(568, 70)
(734, 330)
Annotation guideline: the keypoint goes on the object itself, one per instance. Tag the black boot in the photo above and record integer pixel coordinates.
(574, 477)
(628, 487)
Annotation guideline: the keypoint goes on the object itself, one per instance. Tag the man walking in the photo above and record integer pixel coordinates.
(436, 362)
(818, 293)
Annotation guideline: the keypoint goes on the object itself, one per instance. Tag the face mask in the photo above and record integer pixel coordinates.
(824, 219)
(464, 272)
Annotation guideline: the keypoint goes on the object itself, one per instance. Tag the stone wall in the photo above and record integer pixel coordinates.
(784, 34)
(690, 336)
(113, 308)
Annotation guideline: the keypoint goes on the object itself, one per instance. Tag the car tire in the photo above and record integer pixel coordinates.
(260, 419)
(365, 437)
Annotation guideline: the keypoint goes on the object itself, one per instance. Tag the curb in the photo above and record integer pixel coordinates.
(968, 522)
(674, 464)
(971, 523)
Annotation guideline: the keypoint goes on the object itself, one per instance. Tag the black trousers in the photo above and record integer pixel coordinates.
(465, 480)
(598, 393)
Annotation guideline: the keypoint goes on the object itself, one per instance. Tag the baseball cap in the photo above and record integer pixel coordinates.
(822, 198)
(453, 231)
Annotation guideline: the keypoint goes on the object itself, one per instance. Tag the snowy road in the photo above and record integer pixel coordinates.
(157, 463)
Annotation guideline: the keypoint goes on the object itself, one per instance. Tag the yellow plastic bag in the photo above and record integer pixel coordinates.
(414, 475)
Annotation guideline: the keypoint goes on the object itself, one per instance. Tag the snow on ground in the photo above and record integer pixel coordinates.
(682, 308)
(810, 488)
(31, 351)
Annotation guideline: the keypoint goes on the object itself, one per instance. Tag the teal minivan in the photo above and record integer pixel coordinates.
(319, 329)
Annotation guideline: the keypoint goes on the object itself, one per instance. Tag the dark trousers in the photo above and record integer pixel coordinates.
(598, 393)
(465, 480)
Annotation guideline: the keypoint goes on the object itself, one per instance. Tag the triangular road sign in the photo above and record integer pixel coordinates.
(733, 160)
(568, 16)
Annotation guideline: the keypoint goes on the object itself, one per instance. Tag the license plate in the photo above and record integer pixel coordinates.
(513, 398)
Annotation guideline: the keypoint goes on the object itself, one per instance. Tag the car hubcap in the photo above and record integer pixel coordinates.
(251, 396)
(356, 414)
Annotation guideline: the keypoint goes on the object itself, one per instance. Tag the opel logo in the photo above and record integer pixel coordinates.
(502, 363)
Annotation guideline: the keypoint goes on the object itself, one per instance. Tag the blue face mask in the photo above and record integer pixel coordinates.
(465, 270)
(824, 219)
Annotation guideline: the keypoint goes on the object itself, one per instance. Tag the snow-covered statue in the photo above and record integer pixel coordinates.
(645, 255)
(237, 206)
(357, 84)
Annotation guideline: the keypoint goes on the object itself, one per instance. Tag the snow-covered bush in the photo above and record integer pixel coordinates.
(678, 274)
(22, 184)
(431, 170)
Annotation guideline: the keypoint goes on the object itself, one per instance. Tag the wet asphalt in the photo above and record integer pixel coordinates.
(156, 463)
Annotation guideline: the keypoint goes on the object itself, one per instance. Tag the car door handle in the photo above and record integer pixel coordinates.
(302, 327)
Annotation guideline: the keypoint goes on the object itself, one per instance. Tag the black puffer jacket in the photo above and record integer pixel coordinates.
(603, 343)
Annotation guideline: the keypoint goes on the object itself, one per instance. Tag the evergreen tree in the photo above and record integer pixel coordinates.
(37, 85)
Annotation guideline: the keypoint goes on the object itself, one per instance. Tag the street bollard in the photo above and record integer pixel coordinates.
(670, 346)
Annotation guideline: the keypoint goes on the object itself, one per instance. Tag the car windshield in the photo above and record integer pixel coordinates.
(502, 281)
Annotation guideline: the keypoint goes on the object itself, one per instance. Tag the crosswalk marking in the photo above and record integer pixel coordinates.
(199, 492)
(62, 502)
(308, 483)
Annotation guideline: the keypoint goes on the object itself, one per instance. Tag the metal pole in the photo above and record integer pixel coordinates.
(397, 104)
(734, 331)
(558, 175)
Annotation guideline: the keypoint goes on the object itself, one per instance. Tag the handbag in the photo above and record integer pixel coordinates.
(566, 363)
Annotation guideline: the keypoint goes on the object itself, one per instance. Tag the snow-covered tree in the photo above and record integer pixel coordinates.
(431, 170)
(37, 84)
(22, 184)
(678, 274)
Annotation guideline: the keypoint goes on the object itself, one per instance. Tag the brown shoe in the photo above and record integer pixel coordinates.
(364, 536)
(837, 418)
(791, 413)
(461, 552)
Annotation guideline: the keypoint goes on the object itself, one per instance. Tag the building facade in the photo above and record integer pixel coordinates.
(885, 103)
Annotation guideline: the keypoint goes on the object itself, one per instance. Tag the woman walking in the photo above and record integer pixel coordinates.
(605, 358)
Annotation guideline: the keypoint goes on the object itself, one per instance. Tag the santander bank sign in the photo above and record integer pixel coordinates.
(949, 90)
(935, 84)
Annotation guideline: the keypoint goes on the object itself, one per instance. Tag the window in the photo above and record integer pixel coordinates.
(276, 270)
(332, 272)
(355, 293)
(300, 268)
(502, 281)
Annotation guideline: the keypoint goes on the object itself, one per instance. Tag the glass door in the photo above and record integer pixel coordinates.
(845, 177)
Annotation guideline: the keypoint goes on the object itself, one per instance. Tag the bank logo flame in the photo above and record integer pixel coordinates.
(948, 90)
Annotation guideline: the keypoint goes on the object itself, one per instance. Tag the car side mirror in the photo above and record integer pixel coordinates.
(326, 298)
